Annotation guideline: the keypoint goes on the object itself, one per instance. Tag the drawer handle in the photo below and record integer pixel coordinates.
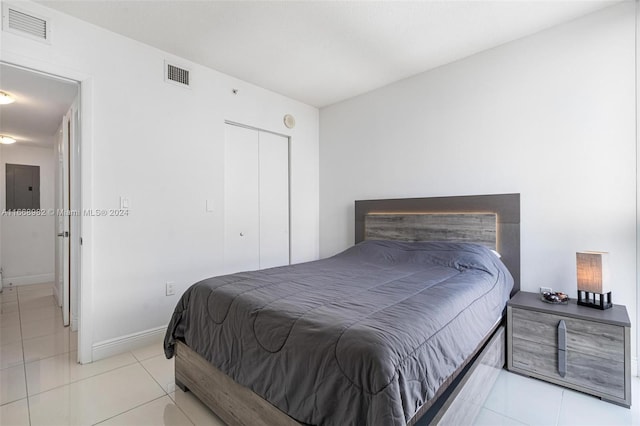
(562, 348)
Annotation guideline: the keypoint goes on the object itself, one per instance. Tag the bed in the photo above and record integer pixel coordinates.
(389, 332)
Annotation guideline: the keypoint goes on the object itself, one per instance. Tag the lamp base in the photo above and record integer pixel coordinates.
(594, 300)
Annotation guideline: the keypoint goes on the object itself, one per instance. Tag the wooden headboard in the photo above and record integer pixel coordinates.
(478, 228)
(484, 219)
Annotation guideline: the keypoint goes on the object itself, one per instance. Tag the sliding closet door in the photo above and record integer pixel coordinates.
(274, 200)
(256, 199)
(241, 195)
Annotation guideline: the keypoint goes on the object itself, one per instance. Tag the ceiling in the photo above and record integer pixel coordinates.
(322, 52)
(318, 52)
(41, 102)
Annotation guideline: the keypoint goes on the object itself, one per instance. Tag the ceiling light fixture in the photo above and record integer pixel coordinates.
(6, 98)
(6, 140)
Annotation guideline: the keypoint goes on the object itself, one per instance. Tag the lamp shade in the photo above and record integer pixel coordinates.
(593, 272)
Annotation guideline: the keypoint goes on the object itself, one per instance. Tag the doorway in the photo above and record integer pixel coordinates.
(44, 121)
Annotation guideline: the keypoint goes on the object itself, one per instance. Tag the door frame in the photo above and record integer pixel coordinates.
(82, 179)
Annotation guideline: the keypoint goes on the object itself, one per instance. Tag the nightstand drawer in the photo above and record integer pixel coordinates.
(597, 374)
(586, 337)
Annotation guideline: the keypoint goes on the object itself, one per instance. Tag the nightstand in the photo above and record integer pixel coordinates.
(574, 346)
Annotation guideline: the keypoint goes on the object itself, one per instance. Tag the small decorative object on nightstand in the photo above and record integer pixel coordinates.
(593, 279)
(583, 349)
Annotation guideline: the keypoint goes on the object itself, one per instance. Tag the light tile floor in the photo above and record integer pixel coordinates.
(42, 384)
(518, 400)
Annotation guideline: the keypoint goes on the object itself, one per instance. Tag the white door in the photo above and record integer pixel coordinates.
(242, 225)
(59, 242)
(62, 219)
(256, 199)
(75, 240)
(274, 200)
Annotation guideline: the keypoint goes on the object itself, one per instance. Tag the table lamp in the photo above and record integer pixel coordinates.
(593, 279)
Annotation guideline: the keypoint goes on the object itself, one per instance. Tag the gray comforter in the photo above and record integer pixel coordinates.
(364, 337)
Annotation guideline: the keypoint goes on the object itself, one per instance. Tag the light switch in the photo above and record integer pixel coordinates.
(124, 203)
(209, 206)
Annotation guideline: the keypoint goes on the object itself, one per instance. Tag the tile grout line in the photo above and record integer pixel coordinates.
(79, 380)
(154, 379)
(135, 361)
(150, 401)
(168, 394)
(182, 411)
(504, 415)
(130, 409)
(24, 361)
(560, 408)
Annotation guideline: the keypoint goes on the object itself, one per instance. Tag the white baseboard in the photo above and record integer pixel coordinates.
(28, 280)
(126, 343)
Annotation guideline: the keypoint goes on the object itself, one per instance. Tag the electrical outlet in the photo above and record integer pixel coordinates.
(546, 289)
(171, 288)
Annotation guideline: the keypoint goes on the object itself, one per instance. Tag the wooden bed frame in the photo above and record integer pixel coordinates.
(457, 401)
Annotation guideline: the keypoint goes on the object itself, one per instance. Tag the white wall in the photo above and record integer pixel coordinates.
(551, 116)
(161, 146)
(28, 241)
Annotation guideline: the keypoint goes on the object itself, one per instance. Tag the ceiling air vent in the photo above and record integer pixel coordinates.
(26, 24)
(176, 75)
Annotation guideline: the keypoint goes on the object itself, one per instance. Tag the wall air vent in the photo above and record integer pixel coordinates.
(26, 24)
(176, 75)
